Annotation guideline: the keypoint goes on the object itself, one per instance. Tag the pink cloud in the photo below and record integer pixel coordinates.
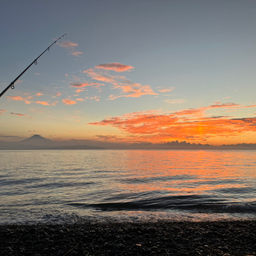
(68, 45)
(175, 101)
(77, 54)
(71, 48)
(19, 81)
(54, 103)
(18, 114)
(46, 103)
(58, 94)
(126, 87)
(80, 85)
(96, 98)
(19, 98)
(69, 102)
(118, 67)
(79, 99)
(166, 90)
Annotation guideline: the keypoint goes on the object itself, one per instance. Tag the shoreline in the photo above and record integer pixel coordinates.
(144, 238)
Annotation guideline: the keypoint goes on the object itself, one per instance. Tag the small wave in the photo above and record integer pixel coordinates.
(239, 191)
(184, 203)
(60, 185)
(15, 182)
(240, 208)
(157, 203)
(156, 178)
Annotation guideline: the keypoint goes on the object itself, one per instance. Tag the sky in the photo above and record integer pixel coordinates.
(134, 71)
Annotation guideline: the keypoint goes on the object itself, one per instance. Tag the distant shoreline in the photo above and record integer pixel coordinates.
(37, 142)
(149, 149)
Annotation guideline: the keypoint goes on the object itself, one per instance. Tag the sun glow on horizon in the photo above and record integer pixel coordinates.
(188, 74)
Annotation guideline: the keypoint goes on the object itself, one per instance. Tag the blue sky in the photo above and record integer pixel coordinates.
(172, 56)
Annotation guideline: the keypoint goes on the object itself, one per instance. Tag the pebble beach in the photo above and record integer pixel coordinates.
(151, 238)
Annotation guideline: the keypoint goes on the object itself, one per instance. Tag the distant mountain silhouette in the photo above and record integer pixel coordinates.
(37, 141)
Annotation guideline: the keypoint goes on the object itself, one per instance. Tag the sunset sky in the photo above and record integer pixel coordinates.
(130, 71)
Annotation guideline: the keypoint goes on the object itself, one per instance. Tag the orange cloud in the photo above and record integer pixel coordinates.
(18, 114)
(80, 99)
(46, 103)
(39, 94)
(126, 87)
(189, 124)
(69, 102)
(3, 110)
(79, 90)
(80, 85)
(98, 76)
(118, 67)
(19, 98)
(134, 90)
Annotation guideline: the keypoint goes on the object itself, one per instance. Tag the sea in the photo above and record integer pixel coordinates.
(77, 186)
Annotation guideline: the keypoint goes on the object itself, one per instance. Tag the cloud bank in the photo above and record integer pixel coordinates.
(186, 124)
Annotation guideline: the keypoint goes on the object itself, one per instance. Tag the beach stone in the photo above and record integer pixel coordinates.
(161, 238)
(74, 253)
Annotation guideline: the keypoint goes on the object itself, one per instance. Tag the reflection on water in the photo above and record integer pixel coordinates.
(45, 181)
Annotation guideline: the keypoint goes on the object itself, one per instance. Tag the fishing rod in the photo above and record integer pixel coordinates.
(11, 85)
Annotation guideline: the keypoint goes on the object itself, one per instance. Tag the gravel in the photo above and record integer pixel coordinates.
(151, 238)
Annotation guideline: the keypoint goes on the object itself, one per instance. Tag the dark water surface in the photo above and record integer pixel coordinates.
(59, 186)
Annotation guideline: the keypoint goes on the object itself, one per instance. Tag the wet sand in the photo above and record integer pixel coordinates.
(159, 238)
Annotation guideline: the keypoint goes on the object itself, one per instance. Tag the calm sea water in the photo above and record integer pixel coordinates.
(67, 186)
